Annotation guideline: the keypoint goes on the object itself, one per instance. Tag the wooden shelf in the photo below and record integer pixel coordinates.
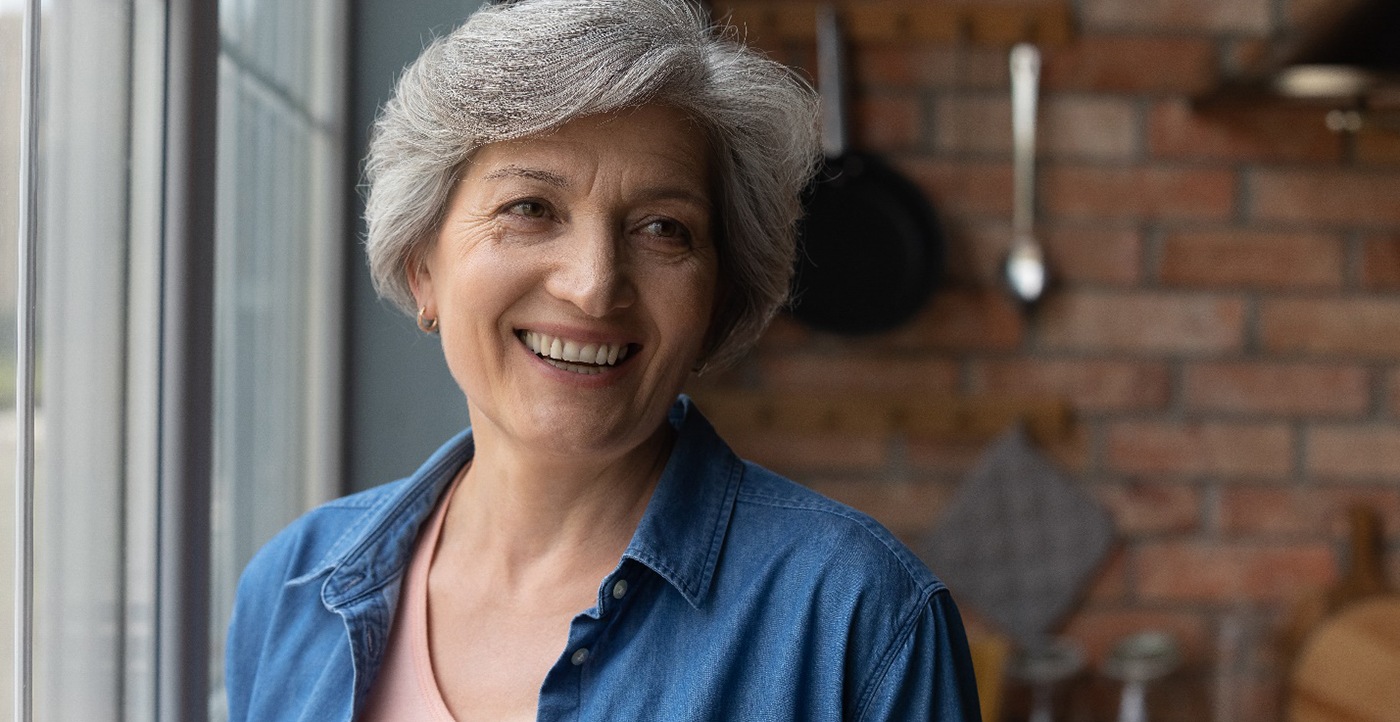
(905, 21)
(960, 418)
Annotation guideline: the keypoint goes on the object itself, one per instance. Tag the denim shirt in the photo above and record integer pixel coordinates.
(742, 596)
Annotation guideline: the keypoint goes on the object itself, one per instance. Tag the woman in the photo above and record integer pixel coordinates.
(588, 200)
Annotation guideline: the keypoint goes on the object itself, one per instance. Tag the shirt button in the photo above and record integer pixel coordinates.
(580, 656)
(620, 589)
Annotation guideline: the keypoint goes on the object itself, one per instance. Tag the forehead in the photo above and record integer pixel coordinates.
(650, 142)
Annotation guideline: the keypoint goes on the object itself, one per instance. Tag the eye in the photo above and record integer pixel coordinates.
(665, 228)
(528, 209)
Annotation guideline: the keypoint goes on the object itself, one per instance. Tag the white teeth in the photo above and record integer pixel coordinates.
(575, 356)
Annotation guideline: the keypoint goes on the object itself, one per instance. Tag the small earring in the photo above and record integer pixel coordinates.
(426, 325)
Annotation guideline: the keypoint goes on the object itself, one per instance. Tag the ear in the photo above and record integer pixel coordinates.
(420, 281)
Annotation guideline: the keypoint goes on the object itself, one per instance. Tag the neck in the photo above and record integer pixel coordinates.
(517, 509)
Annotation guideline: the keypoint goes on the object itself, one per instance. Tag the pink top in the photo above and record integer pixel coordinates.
(406, 688)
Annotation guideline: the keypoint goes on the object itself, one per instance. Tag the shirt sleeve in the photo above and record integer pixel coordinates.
(928, 676)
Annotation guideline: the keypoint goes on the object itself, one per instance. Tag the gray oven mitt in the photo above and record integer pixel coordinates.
(1019, 541)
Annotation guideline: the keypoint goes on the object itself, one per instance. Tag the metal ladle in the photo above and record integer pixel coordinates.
(1024, 268)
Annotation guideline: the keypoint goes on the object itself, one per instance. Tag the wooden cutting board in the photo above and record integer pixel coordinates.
(1348, 667)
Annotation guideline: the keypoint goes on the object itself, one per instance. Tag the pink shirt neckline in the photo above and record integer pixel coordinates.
(406, 688)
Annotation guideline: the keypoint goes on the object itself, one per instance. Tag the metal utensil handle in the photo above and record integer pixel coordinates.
(831, 82)
(1025, 78)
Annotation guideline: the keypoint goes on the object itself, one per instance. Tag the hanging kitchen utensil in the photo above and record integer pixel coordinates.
(1137, 660)
(1024, 269)
(1045, 666)
(1348, 668)
(1019, 541)
(871, 247)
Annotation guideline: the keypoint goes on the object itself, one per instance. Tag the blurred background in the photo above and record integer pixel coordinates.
(1214, 366)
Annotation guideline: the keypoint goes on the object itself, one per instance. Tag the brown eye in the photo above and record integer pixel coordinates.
(665, 228)
(528, 209)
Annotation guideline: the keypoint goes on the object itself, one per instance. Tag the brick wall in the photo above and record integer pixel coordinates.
(1226, 324)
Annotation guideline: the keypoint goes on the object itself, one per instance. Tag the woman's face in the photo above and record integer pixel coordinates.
(573, 279)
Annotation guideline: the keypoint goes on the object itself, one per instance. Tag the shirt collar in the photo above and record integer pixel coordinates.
(683, 527)
(679, 537)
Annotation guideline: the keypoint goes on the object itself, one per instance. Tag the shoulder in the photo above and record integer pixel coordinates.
(316, 537)
(886, 618)
(851, 542)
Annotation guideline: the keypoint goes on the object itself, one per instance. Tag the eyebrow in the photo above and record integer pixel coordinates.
(559, 181)
(515, 171)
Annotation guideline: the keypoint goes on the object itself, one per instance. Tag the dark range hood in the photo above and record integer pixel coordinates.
(1347, 61)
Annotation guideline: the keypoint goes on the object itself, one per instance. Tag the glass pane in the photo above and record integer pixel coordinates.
(80, 533)
(278, 278)
(11, 21)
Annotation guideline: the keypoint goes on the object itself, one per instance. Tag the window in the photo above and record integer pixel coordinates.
(117, 390)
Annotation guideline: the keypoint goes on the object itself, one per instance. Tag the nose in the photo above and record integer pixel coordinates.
(593, 272)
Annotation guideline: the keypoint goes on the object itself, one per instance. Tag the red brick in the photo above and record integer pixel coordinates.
(1076, 253)
(1110, 584)
(963, 188)
(1095, 385)
(864, 372)
(1243, 56)
(1092, 253)
(1311, 511)
(1367, 327)
(1259, 259)
(1380, 262)
(1326, 196)
(888, 122)
(1184, 571)
(1140, 507)
(801, 456)
(953, 459)
(962, 320)
(1200, 448)
(943, 458)
(909, 509)
(1378, 146)
(1100, 629)
(1177, 132)
(1238, 16)
(938, 66)
(901, 66)
(1312, 14)
(972, 124)
(1152, 192)
(1100, 128)
(1354, 452)
(1293, 389)
(1143, 322)
(1392, 393)
(1131, 63)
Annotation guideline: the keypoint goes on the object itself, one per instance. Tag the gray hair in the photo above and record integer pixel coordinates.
(525, 68)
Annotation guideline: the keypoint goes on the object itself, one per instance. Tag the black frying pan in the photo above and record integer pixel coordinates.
(871, 248)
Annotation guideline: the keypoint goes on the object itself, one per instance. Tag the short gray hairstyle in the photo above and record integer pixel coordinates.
(525, 68)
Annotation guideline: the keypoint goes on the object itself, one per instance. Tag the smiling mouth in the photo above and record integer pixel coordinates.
(575, 356)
